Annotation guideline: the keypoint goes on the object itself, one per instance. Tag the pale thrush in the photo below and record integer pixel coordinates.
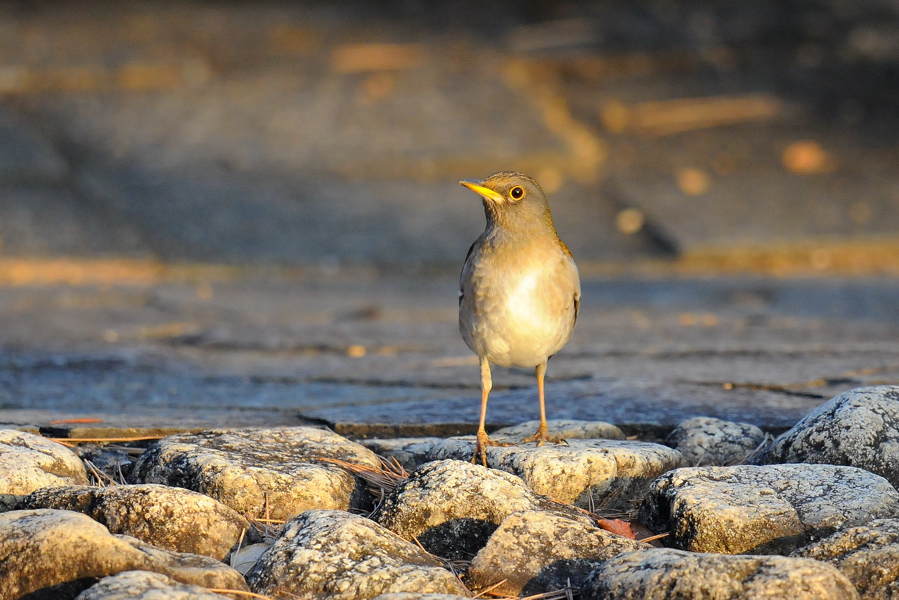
(520, 290)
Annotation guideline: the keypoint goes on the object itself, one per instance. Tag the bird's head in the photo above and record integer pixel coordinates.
(513, 201)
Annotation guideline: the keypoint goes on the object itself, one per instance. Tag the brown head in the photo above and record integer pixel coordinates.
(513, 201)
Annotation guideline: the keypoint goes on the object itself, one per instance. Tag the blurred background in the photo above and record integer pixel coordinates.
(197, 194)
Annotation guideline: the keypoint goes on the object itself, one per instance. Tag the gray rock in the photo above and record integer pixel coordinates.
(411, 453)
(288, 466)
(706, 441)
(858, 428)
(29, 462)
(144, 585)
(868, 555)
(452, 507)
(566, 429)
(539, 551)
(57, 549)
(335, 554)
(612, 473)
(772, 509)
(170, 518)
(665, 574)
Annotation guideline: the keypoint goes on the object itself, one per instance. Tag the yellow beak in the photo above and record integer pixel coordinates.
(475, 186)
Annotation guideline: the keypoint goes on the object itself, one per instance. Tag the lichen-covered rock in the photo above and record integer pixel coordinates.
(772, 509)
(285, 469)
(410, 453)
(707, 441)
(335, 554)
(170, 518)
(867, 555)
(665, 574)
(453, 506)
(566, 429)
(29, 462)
(49, 548)
(539, 551)
(145, 585)
(597, 472)
(858, 428)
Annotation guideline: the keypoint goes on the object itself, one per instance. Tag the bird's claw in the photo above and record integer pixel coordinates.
(542, 436)
(480, 447)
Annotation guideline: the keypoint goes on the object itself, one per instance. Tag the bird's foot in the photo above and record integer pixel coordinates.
(480, 447)
(542, 436)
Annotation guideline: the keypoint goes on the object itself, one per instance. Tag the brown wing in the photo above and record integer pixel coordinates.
(467, 256)
(577, 296)
(577, 307)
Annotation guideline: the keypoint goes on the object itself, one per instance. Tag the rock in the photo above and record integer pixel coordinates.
(586, 473)
(772, 509)
(707, 441)
(539, 551)
(859, 428)
(665, 574)
(29, 462)
(170, 518)
(452, 507)
(867, 555)
(566, 429)
(288, 466)
(63, 551)
(335, 554)
(411, 453)
(144, 585)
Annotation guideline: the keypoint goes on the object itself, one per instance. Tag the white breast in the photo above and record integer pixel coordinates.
(518, 310)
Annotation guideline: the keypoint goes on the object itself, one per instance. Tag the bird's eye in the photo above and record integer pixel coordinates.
(517, 192)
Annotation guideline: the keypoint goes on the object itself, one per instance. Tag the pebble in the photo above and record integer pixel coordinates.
(566, 429)
(868, 555)
(584, 472)
(452, 507)
(667, 574)
(144, 585)
(858, 428)
(170, 518)
(763, 510)
(47, 548)
(277, 472)
(536, 552)
(335, 554)
(30, 462)
(704, 441)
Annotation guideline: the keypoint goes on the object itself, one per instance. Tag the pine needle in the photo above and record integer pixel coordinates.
(381, 480)
(240, 593)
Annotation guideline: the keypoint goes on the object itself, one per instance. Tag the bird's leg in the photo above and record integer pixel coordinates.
(480, 447)
(542, 435)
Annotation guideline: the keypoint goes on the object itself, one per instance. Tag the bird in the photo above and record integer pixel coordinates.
(520, 290)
